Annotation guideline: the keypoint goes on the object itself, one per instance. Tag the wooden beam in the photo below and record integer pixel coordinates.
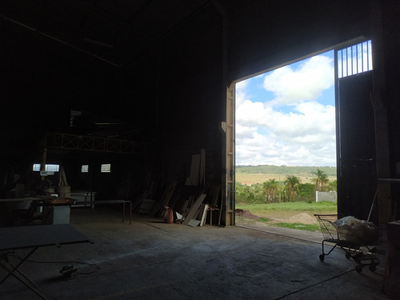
(194, 209)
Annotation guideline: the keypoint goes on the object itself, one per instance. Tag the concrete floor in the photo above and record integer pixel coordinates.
(150, 259)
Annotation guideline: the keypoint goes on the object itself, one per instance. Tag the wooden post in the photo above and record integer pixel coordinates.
(381, 115)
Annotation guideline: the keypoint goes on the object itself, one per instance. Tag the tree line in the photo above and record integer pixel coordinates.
(291, 189)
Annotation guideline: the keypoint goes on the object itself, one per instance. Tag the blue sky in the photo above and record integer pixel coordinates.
(287, 116)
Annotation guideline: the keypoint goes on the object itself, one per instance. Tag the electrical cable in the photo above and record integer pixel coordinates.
(95, 266)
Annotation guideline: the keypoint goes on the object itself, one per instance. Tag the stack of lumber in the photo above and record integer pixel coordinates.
(189, 202)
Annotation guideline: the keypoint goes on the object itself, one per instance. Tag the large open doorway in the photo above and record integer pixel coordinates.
(289, 137)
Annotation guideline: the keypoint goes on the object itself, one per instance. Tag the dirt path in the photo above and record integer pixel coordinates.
(277, 217)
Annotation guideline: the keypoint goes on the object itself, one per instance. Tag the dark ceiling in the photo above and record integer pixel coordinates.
(133, 61)
(118, 32)
(68, 54)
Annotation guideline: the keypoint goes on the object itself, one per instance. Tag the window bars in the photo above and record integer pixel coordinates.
(355, 59)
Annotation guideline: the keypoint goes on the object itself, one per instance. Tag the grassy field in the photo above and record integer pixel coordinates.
(297, 215)
(299, 226)
(314, 207)
(285, 170)
(249, 179)
(259, 174)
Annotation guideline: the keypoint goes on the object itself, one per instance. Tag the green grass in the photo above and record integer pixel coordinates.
(307, 227)
(277, 209)
(263, 219)
(285, 170)
(314, 207)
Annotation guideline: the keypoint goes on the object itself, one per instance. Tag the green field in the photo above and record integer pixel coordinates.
(299, 226)
(296, 215)
(285, 170)
(250, 179)
(259, 174)
(299, 215)
(314, 207)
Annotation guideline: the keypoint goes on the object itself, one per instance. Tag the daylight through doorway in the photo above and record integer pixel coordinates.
(285, 144)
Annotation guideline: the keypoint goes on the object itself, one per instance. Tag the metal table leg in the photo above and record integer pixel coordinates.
(6, 265)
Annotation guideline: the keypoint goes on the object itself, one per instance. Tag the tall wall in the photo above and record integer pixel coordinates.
(267, 34)
(391, 91)
(176, 96)
(256, 35)
(191, 95)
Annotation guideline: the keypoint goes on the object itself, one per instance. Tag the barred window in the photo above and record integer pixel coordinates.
(355, 59)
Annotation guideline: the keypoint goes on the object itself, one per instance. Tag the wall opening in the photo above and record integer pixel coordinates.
(105, 168)
(48, 167)
(285, 142)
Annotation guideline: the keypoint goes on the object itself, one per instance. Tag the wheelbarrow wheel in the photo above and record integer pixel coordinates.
(322, 257)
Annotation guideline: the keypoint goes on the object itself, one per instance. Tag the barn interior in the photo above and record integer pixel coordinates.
(128, 97)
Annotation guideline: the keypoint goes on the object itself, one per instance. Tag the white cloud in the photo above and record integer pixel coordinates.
(243, 132)
(303, 136)
(313, 119)
(305, 84)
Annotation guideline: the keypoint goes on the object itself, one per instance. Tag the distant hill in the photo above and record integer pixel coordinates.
(285, 170)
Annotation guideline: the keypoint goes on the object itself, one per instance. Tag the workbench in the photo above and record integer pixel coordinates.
(55, 211)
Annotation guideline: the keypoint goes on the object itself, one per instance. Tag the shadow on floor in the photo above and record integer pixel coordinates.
(150, 259)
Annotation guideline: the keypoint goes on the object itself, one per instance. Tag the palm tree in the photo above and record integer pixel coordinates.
(332, 185)
(291, 186)
(270, 188)
(321, 181)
